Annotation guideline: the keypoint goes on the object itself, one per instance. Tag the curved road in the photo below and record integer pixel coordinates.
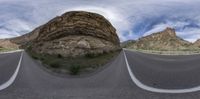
(113, 82)
(165, 71)
(8, 65)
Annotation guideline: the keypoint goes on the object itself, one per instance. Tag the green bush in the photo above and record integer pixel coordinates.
(35, 57)
(94, 55)
(90, 55)
(74, 69)
(29, 48)
(55, 65)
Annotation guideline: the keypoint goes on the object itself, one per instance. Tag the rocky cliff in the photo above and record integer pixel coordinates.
(164, 40)
(74, 33)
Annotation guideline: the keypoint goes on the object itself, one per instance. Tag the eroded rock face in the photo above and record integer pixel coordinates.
(7, 44)
(75, 33)
(197, 43)
(164, 40)
(76, 46)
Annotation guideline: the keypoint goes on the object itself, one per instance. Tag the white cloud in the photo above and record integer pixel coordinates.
(17, 25)
(132, 18)
(7, 34)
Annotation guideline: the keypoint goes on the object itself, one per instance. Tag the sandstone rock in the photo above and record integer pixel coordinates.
(164, 40)
(83, 44)
(197, 43)
(74, 33)
(7, 44)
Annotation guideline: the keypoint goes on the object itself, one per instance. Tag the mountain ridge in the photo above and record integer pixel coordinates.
(163, 40)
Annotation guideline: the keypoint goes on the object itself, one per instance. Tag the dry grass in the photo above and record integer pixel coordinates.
(178, 52)
(5, 49)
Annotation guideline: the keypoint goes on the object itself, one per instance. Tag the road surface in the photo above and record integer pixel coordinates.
(113, 82)
(167, 72)
(8, 64)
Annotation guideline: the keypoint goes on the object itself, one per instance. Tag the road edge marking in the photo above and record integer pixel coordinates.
(13, 77)
(11, 51)
(152, 89)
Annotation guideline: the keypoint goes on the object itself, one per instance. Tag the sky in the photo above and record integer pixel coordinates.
(131, 18)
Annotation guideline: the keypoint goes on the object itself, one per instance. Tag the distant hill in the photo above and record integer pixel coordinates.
(7, 44)
(128, 43)
(165, 40)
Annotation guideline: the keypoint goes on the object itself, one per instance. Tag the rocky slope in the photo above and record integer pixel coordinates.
(127, 43)
(197, 43)
(74, 33)
(7, 44)
(164, 40)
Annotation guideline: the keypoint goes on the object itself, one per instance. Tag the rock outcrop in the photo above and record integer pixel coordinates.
(7, 44)
(164, 40)
(197, 43)
(74, 33)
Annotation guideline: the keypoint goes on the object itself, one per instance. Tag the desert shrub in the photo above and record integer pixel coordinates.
(55, 65)
(35, 57)
(29, 48)
(59, 56)
(91, 55)
(74, 69)
(42, 58)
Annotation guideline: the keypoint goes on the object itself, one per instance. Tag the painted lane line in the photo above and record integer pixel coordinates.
(11, 52)
(152, 89)
(12, 79)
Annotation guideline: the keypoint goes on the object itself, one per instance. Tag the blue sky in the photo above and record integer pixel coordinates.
(131, 18)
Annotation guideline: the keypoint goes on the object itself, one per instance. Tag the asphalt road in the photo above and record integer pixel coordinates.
(165, 71)
(8, 64)
(113, 82)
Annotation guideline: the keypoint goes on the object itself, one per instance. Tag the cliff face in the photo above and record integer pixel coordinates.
(164, 40)
(78, 23)
(72, 34)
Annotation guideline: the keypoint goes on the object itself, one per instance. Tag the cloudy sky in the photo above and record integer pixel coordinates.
(131, 18)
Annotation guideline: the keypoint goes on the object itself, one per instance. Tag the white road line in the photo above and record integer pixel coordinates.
(157, 90)
(12, 79)
(11, 51)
